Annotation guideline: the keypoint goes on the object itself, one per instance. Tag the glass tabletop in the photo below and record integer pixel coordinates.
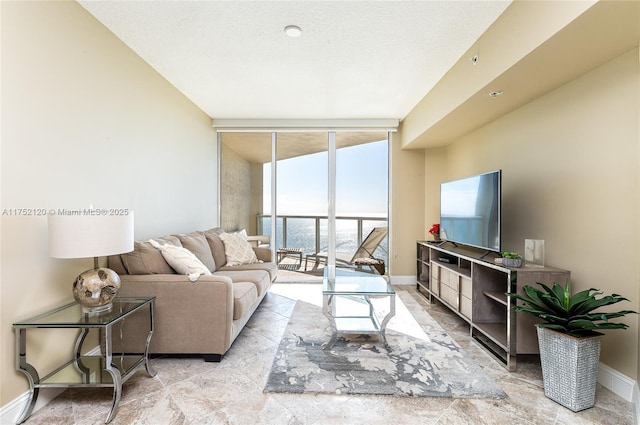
(72, 316)
(353, 282)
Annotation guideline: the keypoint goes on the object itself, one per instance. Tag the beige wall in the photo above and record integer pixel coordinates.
(235, 191)
(570, 162)
(256, 197)
(240, 191)
(435, 164)
(85, 121)
(406, 191)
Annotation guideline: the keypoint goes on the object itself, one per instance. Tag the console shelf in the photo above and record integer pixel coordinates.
(472, 285)
(500, 297)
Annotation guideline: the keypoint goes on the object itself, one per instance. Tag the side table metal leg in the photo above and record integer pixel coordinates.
(28, 409)
(147, 363)
(117, 393)
(77, 364)
(82, 335)
(116, 377)
(30, 371)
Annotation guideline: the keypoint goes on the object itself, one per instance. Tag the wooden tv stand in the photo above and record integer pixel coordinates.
(473, 286)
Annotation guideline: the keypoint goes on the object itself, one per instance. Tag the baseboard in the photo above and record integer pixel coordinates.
(636, 402)
(618, 383)
(403, 280)
(10, 412)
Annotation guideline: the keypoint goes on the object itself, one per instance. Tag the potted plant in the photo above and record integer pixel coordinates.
(435, 231)
(569, 340)
(511, 259)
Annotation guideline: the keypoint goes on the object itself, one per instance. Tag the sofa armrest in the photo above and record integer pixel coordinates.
(182, 305)
(263, 254)
(259, 240)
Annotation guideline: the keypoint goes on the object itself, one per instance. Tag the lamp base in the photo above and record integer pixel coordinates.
(96, 311)
(95, 289)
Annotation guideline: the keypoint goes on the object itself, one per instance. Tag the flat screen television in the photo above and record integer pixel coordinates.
(470, 211)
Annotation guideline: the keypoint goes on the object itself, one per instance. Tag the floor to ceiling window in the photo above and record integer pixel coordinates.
(297, 192)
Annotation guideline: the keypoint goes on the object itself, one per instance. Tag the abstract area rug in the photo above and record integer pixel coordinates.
(430, 365)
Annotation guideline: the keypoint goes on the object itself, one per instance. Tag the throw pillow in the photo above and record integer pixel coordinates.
(145, 259)
(182, 260)
(216, 245)
(197, 243)
(237, 249)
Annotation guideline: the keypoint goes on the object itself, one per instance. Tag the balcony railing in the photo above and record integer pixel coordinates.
(310, 232)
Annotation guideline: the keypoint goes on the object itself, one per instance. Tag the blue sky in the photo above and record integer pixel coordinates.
(362, 182)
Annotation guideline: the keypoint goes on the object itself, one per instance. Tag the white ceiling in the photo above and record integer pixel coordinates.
(354, 59)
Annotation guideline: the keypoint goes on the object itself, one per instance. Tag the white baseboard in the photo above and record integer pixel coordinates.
(636, 402)
(618, 383)
(403, 280)
(9, 413)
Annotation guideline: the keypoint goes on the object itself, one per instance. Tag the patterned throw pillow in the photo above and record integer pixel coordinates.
(182, 260)
(237, 248)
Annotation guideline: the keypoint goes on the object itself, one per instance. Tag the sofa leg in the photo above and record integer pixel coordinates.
(212, 357)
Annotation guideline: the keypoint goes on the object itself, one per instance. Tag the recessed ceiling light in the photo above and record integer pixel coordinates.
(292, 30)
(495, 93)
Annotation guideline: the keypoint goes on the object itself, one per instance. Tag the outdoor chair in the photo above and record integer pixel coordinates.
(362, 256)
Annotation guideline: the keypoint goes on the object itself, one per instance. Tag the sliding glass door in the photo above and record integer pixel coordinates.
(362, 196)
(316, 194)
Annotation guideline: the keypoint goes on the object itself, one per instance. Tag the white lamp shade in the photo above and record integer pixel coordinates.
(83, 236)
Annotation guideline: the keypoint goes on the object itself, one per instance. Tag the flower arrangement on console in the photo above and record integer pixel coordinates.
(435, 231)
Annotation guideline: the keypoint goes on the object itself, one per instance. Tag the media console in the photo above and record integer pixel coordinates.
(472, 285)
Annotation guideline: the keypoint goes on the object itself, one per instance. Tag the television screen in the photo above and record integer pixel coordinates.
(470, 211)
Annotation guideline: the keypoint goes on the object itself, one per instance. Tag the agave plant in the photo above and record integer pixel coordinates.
(570, 314)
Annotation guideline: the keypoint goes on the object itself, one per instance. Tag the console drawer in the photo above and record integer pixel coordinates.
(449, 295)
(465, 307)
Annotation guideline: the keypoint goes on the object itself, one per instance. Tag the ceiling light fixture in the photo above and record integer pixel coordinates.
(293, 31)
(495, 94)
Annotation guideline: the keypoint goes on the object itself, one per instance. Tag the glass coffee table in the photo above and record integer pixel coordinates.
(352, 288)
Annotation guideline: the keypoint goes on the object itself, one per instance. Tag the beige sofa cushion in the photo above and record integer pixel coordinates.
(216, 245)
(145, 259)
(197, 243)
(182, 260)
(237, 249)
(245, 295)
(260, 278)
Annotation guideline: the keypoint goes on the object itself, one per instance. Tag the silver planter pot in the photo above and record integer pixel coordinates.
(569, 368)
(512, 262)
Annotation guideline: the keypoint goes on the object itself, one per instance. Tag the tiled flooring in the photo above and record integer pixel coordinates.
(190, 391)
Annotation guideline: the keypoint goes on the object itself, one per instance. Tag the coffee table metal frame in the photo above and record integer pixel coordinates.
(84, 370)
(360, 287)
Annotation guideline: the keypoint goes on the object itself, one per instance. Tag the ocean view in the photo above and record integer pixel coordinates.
(301, 234)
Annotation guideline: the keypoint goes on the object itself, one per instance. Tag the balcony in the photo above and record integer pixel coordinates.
(309, 233)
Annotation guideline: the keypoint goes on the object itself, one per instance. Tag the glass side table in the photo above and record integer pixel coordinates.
(105, 369)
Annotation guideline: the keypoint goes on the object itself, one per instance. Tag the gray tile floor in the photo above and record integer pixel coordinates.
(190, 391)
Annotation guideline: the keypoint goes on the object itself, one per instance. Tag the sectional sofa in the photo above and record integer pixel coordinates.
(199, 312)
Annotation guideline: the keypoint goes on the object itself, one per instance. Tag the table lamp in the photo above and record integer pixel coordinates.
(87, 235)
